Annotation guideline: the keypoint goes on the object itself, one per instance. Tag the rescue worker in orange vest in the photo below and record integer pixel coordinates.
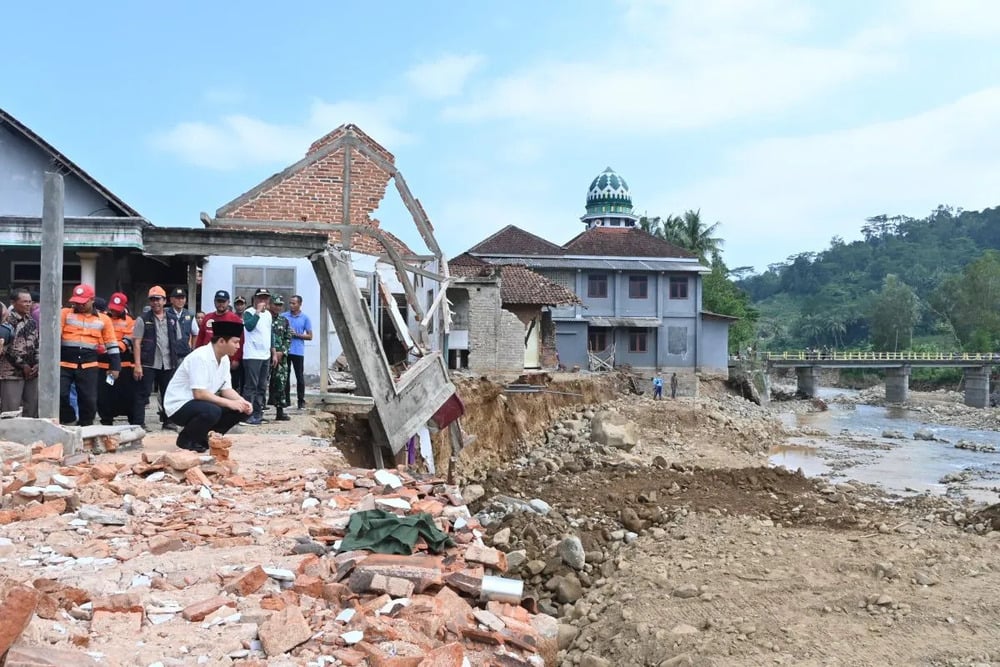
(85, 334)
(117, 399)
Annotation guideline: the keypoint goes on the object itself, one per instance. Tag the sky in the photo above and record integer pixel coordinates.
(788, 122)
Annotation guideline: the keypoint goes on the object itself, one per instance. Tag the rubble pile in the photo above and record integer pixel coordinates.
(246, 569)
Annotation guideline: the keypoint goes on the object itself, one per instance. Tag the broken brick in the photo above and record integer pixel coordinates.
(41, 510)
(181, 460)
(199, 610)
(47, 656)
(247, 583)
(449, 655)
(16, 611)
(161, 544)
(196, 477)
(50, 453)
(116, 623)
(283, 631)
(488, 556)
(306, 585)
(393, 586)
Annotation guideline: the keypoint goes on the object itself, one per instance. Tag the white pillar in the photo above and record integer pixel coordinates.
(88, 268)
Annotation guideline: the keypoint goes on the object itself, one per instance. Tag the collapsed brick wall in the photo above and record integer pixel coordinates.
(496, 336)
(315, 193)
(550, 355)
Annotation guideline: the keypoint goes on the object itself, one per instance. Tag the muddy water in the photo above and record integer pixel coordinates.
(855, 449)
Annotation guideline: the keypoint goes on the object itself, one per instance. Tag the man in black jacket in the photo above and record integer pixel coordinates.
(156, 343)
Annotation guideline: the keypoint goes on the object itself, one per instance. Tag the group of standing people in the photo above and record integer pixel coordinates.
(658, 386)
(113, 364)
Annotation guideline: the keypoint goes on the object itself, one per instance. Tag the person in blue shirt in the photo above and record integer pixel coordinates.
(302, 331)
(657, 387)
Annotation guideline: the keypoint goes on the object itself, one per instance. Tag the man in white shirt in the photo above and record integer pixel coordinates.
(200, 397)
(257, 352)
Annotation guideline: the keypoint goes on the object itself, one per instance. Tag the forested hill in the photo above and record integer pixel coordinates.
(933, 279)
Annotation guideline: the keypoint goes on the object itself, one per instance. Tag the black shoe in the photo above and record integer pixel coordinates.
(281, 416)
(302, 405)
(169, 426)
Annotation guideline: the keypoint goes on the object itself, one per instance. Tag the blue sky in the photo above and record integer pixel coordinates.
(789, 122)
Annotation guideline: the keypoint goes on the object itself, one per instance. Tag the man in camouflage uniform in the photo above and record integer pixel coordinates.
(281, 340)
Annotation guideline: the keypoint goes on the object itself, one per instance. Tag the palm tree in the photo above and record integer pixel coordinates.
(693, 235)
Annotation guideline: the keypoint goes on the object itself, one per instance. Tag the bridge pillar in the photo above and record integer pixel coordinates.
(807, 378)
(897, 384)
(977, 387)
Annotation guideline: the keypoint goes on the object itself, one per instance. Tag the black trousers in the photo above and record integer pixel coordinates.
(152, 378)
(118, 399)
(198, 418)
(236, 377)
(86, 394)
(295, 362)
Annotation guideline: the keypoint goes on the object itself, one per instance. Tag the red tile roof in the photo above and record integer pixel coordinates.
(621, 242)
(513, 240)
(519, 285)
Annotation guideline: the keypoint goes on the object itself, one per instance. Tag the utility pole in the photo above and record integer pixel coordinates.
(51, 295)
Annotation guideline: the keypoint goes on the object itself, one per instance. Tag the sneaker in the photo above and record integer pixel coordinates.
(254, 421)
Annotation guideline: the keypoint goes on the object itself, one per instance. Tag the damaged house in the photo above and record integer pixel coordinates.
(308, 197)
(502, 316)
(640, 296)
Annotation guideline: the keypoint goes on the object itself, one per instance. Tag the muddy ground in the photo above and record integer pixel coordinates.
(697, 553)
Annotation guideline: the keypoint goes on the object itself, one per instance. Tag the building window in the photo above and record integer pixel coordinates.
(597, 340)
(637, 342)
(30, 273)
(597, 286)
(678, 288)
(638, 287)
(616, 222)
(275, 279)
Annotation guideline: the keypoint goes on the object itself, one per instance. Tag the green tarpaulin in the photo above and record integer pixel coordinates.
(386, 533)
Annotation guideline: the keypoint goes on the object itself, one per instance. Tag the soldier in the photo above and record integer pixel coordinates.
(281, 339)
(118, 399)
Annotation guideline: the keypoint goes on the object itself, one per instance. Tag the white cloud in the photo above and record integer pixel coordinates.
(783, 195)
(444, 77)
(955, 18)
(680, 66)
(236, 140)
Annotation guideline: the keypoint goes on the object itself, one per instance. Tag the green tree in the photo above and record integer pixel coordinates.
(970, 302)
(721, 295)
(892, 313)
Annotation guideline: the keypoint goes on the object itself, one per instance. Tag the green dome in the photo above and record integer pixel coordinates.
(609, 193)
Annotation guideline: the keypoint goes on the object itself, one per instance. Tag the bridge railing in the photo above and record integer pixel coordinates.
(803, 355)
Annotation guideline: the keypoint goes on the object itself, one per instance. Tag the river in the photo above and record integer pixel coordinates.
(853, 448)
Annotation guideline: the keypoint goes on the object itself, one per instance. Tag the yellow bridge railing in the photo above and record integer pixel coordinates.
(880, 356)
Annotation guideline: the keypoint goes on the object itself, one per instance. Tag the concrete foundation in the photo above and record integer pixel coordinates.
(807, 381)
(28, 431)
(977, 387)
(897, 384)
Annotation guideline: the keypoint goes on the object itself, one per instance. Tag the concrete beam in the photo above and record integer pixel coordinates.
(897, 384)
(27, 431)
(977, 387)
(195, 242)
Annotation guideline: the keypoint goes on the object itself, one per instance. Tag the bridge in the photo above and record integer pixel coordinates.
(897, 366)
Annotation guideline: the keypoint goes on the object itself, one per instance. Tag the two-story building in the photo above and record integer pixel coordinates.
(641, 295)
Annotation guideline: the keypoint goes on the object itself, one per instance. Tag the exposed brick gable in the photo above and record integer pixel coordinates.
(312, 190)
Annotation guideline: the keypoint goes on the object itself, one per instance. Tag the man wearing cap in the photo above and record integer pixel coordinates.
(83, 333)
(239, 307)
(19, 358)
(257, 354)
(118, 399)
(222, 312)
(156, 342)
(185, 318)
(281, 339)
(200, 397)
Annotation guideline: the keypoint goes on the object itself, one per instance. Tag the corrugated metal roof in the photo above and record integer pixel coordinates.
(645, 264)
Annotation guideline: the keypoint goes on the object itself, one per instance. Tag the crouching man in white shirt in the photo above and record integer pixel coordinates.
(200, 397)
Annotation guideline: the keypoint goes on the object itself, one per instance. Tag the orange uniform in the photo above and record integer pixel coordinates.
(84, 337)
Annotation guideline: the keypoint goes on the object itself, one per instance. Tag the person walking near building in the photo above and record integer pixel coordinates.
(673, 385)
(19, 358)
(84, 335)
(301, 330)
(257, 354)
(200, 397)
(281, 339)
(185, 320)
(118, 399)
(156, 341)
(657, 387)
